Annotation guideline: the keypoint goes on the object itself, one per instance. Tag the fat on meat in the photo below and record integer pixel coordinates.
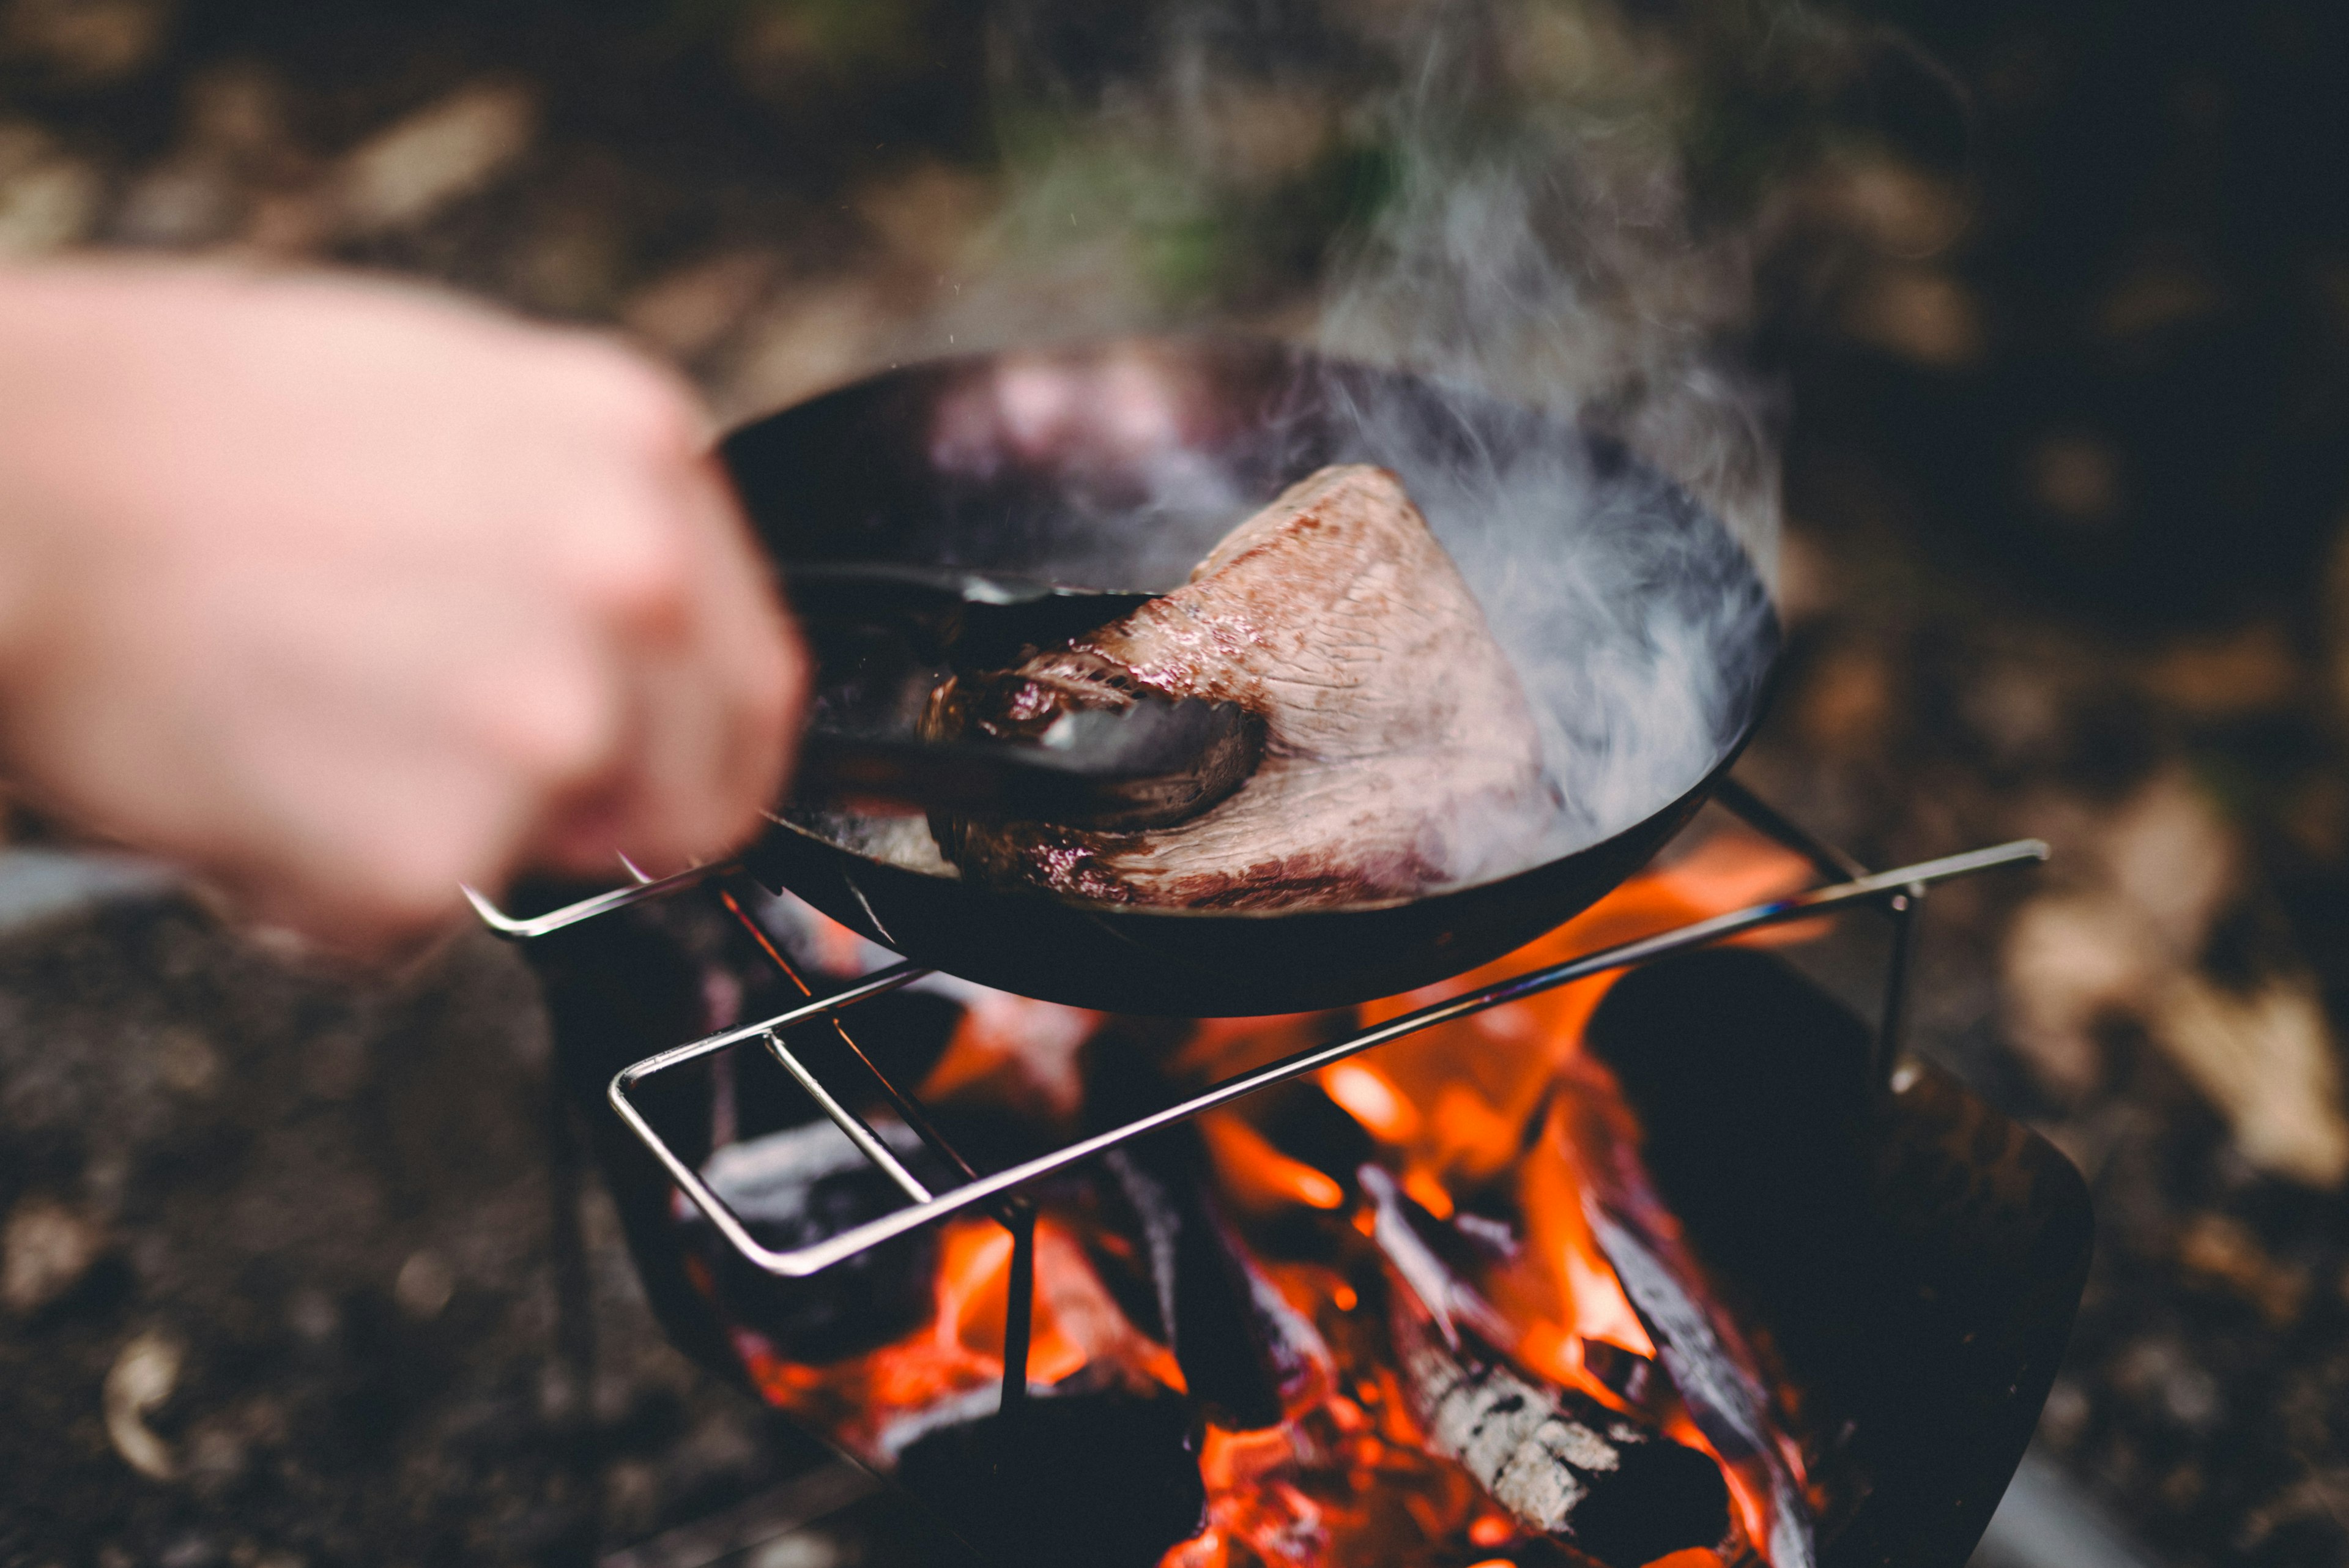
(1400, 753)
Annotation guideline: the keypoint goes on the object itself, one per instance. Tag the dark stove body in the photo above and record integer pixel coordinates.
(1911, 1257)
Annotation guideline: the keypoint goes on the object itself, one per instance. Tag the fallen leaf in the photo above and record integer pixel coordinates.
(48, 1248)
(140, 1379)
(415, 168)
(2267, 1060)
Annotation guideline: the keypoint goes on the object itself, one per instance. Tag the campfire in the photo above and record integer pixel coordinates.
(1422, 1308)
(1521, 1263)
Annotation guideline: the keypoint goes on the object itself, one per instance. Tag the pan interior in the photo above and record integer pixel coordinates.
(1637, 623)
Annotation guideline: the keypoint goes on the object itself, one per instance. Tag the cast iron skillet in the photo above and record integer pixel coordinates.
(1117, 465)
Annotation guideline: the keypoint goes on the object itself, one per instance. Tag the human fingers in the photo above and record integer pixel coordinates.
(715, 686)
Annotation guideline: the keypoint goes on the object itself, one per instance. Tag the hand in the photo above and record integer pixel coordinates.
(342, 593)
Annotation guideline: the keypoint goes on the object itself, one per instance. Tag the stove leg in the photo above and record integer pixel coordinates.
(1901, 909)
(1014, 1214)
(1019, 1308)
(1774, 825)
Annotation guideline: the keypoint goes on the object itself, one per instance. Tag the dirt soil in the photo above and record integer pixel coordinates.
(297, 1268)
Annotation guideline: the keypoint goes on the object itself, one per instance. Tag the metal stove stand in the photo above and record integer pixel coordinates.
(1898, 895)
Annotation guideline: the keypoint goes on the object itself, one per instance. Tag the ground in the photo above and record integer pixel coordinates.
(299, 1268)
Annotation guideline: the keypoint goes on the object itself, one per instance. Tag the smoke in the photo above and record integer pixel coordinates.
(1537, 244)
(1493, 194)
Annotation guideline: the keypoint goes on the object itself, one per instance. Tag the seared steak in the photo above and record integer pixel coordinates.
(1399, 750)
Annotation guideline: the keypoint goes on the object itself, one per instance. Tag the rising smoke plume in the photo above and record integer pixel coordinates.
(1493, 194)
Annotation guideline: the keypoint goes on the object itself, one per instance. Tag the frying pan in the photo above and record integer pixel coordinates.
(1636, 622)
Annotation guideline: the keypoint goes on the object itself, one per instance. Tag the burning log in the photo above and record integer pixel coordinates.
(1223, 1373)
(1723, 1396)
(1242, 1348)
(798, 1185)
(1560, 1463)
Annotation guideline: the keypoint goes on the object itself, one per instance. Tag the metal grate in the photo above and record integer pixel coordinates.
(1897, 894)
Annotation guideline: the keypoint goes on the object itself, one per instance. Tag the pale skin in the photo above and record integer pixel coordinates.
(341, 594)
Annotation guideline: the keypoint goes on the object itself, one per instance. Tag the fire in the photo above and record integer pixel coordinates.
(1259, 1176)
(1500, 1113)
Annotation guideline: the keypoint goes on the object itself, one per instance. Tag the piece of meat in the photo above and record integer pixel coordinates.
(1399, 750)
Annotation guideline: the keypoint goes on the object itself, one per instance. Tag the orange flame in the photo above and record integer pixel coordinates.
(1346, 1477)
(1259, 1176)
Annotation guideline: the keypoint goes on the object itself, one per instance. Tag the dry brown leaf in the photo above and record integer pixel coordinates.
(2266, 1059)
(1894, 205)
(140, 1379)
(688, 311)
(926, 219)
(2170, 854)
(416, 167)
(48, 200)
(815, 336)
(87, 41)
(48, 1248)
(2072, 960)
(2222, 1249)
(2249, 671)
(2125, 942)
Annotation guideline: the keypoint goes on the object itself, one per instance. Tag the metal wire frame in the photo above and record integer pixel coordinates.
(1897, 892)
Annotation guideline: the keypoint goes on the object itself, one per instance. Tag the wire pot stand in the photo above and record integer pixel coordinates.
(1898, 895)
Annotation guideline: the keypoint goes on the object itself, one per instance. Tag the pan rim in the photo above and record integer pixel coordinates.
(1772, 643)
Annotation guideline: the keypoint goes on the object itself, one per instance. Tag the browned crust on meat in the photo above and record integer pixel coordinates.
(1395, 728)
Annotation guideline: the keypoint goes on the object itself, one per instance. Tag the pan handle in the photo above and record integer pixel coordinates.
(976, 619)
(1147, 765)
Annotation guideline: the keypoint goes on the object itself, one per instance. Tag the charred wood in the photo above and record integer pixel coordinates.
(1241, 1347)
(800, 1186)
(1096, 1480)
(1723, 1396)
(1561, 1463)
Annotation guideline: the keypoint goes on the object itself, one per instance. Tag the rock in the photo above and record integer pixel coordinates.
(48, 1248)
(409, 171)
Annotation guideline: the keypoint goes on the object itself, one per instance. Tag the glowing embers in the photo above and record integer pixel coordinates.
(1422, 1310)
